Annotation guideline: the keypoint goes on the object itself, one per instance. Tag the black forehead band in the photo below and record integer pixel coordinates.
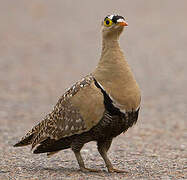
(115, 18)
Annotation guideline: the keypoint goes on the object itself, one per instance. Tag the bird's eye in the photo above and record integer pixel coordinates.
(108, 22)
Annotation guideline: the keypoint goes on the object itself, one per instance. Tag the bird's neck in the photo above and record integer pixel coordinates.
(109, 45)
(112, 59)
(115, 75)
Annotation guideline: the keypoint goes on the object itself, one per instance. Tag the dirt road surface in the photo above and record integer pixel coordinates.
(45, 46)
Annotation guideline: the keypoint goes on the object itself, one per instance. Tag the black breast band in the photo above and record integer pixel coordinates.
(108, 101)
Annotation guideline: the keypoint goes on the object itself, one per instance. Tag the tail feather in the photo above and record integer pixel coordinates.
(24, 142)
(34, 136)
(51, 146)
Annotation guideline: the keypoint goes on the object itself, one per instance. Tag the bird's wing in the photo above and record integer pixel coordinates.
(77, 111)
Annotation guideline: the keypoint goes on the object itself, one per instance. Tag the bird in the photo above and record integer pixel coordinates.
(102, 105)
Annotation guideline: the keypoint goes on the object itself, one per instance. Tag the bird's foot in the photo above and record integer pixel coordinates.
(83, 169)
(112, 170)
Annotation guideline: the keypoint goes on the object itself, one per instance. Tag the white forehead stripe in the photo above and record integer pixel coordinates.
(111, 16)
(120, 20)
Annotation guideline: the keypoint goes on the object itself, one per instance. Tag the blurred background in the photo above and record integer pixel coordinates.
(45, 46)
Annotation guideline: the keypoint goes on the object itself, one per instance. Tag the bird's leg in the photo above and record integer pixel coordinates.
(76, 147)
(103, 147)
(81, 163)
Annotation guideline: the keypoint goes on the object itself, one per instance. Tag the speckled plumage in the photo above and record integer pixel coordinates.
(98, 108)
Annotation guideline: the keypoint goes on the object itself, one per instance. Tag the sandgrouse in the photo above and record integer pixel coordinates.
(97, 108)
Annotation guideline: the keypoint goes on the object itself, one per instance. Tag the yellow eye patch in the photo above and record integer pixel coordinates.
(108, 22)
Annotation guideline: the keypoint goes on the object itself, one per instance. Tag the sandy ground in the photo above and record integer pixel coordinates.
(45, 46)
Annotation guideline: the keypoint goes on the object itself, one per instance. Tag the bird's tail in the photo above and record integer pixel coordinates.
(24, 141)
(34, 136)
(51, 146)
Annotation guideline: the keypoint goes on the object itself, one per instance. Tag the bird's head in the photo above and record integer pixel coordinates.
(113, 25)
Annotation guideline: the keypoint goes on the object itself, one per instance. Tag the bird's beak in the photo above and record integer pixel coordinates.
(122, 22)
